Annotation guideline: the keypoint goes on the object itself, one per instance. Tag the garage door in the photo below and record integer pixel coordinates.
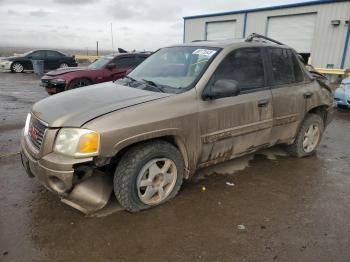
(219, 30)
(296, 31)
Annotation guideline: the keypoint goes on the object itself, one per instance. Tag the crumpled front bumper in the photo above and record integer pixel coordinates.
(52, 88)
(57, 174)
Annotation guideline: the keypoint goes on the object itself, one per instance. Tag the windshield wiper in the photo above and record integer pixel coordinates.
(153, 84)
(130, 78)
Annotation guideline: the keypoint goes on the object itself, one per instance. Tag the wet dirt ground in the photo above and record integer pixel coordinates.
(263, 207)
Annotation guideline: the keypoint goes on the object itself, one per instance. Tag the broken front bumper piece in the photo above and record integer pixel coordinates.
(57, 174)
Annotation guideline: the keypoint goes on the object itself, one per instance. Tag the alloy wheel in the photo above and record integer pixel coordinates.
(63, 65)
(156, 180)
(79, 83)
(18, 68)
(311, 138)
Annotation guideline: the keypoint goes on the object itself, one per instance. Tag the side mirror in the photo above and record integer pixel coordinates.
(221, 88)
(111, 66)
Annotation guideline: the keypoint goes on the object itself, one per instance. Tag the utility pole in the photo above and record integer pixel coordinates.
(112, 37)
(97, 48)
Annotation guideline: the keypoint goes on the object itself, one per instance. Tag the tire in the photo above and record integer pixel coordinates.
(63, 65)
(78, 83)
(17, 67)
(305, 143)
(137, 164)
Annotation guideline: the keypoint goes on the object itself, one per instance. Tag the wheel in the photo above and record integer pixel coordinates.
(63, 65)
(78, 83)
(148, 175)
(308, 137)
(17, 67)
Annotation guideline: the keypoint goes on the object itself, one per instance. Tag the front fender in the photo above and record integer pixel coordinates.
(146, 136)
(174, 133)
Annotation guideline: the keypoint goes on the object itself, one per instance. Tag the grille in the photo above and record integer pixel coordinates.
(36, 132)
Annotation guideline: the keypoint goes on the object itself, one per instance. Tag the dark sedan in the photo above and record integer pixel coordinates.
(106, 68)
(52, 60)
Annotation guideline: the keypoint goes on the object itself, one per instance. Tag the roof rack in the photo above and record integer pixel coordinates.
(251, 37)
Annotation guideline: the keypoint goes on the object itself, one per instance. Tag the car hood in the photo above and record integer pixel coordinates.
(12, 58)
(62, 71)
(76, 107)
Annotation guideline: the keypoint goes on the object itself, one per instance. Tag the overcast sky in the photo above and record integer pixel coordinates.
(138, 24)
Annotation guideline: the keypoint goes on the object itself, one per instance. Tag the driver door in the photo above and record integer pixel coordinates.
(235, 125)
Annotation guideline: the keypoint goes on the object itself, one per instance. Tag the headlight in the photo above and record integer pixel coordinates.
(77, 142)
(58, 81)
(26, 126)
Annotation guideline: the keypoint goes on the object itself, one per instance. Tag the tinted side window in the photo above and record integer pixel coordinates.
(126, 62)
(37, 54)
(298, 73)
(140, 59)
(52, 54)
(245, 66)
(281, 66)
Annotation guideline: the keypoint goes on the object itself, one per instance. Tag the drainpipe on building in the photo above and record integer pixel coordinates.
(345, 50)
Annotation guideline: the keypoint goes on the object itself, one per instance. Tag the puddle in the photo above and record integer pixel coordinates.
(238, 164)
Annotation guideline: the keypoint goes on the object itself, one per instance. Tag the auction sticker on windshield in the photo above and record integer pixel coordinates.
(205, 52)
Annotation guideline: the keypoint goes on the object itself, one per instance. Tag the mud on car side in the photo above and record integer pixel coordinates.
(185, 107)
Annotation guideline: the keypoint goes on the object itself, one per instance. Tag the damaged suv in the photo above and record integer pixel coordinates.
(184, 108)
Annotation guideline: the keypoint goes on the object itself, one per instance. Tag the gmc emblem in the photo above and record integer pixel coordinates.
(34, 133)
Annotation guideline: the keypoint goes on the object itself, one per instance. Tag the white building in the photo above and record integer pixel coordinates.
(318, 29)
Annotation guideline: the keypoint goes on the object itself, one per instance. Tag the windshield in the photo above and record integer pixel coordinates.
(27, 53)
(174, 67)
(99, 63)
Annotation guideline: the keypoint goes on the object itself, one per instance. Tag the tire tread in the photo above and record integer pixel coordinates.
(129, 166)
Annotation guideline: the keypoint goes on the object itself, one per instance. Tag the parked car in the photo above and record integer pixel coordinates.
(52, 60)
(185, 107)
(342, 94)
(104, 69)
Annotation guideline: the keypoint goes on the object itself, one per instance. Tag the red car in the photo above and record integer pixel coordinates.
(107, 68)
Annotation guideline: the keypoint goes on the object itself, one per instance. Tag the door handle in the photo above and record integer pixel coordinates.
(308, 94)
(263, 102)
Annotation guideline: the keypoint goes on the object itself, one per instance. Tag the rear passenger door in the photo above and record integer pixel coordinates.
(231, 126)
(52, 60)
(288, 88)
